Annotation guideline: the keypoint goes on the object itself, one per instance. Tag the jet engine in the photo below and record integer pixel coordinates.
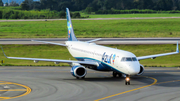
(78, 71)
(141, 70)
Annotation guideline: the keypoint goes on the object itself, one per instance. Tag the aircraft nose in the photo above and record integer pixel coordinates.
(133, 69)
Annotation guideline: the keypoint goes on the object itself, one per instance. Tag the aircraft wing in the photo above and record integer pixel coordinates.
(158, 55)
(53, 60)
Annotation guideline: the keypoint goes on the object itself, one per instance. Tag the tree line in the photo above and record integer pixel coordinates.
(30, 9)
(95, 5)
(17, 13)
(78, 5)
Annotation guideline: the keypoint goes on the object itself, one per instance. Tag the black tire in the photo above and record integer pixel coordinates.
(119, 75)
(83, 77)
(114, 74)
(77, 77)
(128, 83)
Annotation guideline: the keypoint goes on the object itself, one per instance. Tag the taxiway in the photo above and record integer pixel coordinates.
(102, 41)
(57, 84)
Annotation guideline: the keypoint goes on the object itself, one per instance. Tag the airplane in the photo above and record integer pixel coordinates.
(92, 56)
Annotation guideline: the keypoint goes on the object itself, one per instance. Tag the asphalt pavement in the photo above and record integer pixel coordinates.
(57, 84)
(102, 41)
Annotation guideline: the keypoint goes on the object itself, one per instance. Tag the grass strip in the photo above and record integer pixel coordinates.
(59, 52)
(130, 15)
(92, 28)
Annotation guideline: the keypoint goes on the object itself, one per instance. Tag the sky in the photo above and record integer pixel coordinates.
(17, 1)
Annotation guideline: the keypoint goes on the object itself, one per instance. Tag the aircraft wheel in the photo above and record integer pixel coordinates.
(114, 74)
(119, 75)
(127, 81)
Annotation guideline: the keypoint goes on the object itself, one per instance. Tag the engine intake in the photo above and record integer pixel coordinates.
(141, 70)
(78, 71)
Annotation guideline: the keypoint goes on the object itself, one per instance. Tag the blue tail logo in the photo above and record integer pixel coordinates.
(71, 35)
(69, 29)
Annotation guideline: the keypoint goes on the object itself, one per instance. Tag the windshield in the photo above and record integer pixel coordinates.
(129, 59)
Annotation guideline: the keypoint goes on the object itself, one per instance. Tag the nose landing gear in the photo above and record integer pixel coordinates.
(127, 80)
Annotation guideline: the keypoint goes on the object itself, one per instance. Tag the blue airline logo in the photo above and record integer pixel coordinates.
(69, 29)
(108, 58)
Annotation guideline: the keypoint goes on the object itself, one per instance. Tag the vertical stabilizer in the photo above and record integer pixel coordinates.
(71, 35)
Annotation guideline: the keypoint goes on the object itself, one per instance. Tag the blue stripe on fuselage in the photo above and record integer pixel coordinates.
(102, 66)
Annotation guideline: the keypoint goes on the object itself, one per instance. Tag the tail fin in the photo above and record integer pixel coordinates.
(71, 35)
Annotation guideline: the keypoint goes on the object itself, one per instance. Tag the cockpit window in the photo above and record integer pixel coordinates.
(129, 59)
(134, 59)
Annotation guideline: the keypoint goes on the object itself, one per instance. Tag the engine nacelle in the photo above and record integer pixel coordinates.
(141, 70)
(78, 71)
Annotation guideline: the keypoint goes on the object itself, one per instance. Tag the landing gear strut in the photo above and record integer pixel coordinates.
(115, 74)
(127, 80)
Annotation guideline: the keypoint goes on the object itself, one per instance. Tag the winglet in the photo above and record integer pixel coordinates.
(177, 49)
(3, 52)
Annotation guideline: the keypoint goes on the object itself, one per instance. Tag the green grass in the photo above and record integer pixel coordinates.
(58, 52)
(34, 51)
(130, 15)
(92, 28)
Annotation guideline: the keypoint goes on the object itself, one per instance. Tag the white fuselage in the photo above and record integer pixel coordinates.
(108, 58)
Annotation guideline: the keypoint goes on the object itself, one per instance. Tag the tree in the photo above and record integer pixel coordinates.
(64, 5)
(7, 13)
(0, 14)
(76, 15)
(13, 3)
(1, 3)
(6, 4)
(169, 4)
(161, 5)
(36, 5)
(24, 6)
(89, 10)
(62, 14)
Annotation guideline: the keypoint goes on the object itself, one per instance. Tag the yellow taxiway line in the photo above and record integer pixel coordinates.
(27, 89)
(155, 81)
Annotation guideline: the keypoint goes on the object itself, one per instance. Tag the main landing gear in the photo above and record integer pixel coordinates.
(115, 74)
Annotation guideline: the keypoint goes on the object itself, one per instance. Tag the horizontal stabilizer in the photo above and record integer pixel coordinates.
(50, 43)
(93, 40)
